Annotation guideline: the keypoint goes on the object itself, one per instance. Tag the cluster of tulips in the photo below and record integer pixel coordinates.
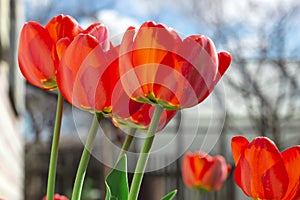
(262, 171)
(140, 84)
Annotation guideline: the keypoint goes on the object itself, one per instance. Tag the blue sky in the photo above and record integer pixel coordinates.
(240, 19)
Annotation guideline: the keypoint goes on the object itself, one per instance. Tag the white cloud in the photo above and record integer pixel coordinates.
(116, 23)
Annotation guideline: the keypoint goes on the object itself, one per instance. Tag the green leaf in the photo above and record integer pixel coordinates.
(170, 196)
(116, 182)
(108, 192)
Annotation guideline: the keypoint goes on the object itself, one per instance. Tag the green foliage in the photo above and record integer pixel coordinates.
(116, 182)
(170, 196)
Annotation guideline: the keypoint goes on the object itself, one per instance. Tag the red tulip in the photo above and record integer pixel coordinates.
(291, 159)
(127, 113)
(156, 66)
(88, 70)
(142, 117)
(262, 172)
(37, 54)
(57, 197)
(200, 170)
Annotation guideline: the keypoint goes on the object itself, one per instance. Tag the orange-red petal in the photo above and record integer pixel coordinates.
(291, 159)
(238, 146)
(128, 77)
(216, 174)
(199, 65)
(144, 115)
(188, 169)
(88, 74)
(57, 197)
(63, 26)
(260, 171)
(61, 46)
(200, 170)
(224, 62)
(37, 56)
(70, 64)
(101, 33)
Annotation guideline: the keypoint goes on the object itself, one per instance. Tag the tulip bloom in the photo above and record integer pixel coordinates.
(127, 113)
(88, 73)
(262, 172)
(37, 54)
(202, 171)
(57, 197)
(87, 70)
(142, 117)
(158, 67)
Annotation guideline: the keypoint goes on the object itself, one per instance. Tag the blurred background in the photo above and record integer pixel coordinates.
(259, 94)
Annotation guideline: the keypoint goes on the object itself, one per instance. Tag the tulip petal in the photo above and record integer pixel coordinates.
(260, 171)
(87, 77)
(63, 26)
(199, 67)
(291, 159)
(144, 115)
(128, 77)
(70, 64)
(101, 33)
(188, 169)
(216, 173)
(129, 113)
(238, 146)
(37, 56)
(122, 106)
(224, 62)
(61, 46)
(152, 44)
(202, 171)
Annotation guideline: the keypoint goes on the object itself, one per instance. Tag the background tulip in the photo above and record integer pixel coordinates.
(58, 197)
(262, 172)
(37, 54)
(156, 66)
(202, 171)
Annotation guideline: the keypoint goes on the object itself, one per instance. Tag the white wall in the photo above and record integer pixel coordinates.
(11, 141)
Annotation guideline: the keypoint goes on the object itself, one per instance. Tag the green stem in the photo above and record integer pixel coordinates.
(85, 157)
(127, 142)
(144, 155)
(54, 148)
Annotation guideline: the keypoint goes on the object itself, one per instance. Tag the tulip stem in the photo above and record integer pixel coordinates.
(54, 147)
(144, 155)
(85, 157)
(127, 142)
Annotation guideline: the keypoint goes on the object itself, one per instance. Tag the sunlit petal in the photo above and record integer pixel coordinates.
(291, 159)
(238, 146)
(36, 55)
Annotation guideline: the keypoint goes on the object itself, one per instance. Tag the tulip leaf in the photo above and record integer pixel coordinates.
(116, 182)
(170, 196)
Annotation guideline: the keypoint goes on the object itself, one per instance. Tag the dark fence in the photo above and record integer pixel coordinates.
(155, 185)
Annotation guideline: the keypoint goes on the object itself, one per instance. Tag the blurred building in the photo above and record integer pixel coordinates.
(11, 104)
